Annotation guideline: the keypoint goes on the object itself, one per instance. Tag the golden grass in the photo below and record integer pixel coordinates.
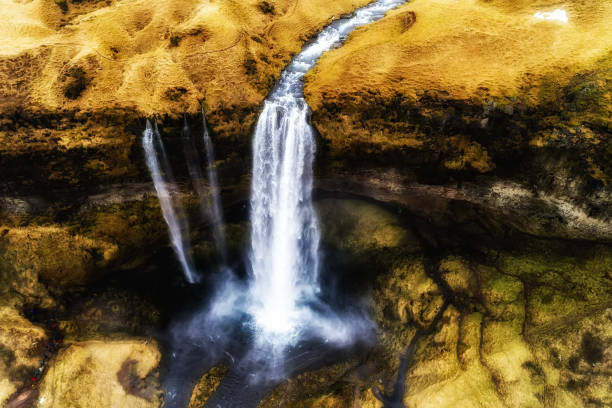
(154, 56)
(464, 49)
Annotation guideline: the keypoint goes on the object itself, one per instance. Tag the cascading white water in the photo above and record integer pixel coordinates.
(284, 257)
(285, 236)
(172, 210)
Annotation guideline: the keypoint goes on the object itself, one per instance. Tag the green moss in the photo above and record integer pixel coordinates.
(406, 299)
(582, 275)
(358, 227)
(207, 386)
(592, 348)
(502, 294)
(458, 275)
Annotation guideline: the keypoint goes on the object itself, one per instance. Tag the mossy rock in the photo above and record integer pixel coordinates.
(206, 386)
(357, 226)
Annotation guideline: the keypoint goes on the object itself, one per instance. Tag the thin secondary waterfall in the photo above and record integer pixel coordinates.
(172, 210)
(216, 213)
(284, 256)
(210, 203)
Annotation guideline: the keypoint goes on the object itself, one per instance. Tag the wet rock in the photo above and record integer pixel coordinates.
(335, 386)
(108, 314)
(206, 386)
(490, 204)
(357, 226)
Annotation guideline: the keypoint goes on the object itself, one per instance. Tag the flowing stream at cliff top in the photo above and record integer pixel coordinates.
(284, 257)
(172, 209)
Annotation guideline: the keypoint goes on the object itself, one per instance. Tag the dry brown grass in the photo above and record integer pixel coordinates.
(152, 56)
(464, 49)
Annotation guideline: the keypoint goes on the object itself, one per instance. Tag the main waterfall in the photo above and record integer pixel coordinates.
(285, 235)
(284, 257)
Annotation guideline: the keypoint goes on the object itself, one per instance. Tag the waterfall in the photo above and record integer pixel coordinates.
(284, 258)
(285, 235)
(216, 213)
(172, 209)
(278, 313)
(210, 203)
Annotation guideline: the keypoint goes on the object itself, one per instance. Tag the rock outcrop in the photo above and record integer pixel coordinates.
(103, 374)
(519, 322)
(21, 343)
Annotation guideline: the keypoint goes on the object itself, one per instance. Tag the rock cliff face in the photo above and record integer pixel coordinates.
(77, 80)
(78, 77)
(445, 92)
(467, 84)
(462, 180)
(515, 321)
